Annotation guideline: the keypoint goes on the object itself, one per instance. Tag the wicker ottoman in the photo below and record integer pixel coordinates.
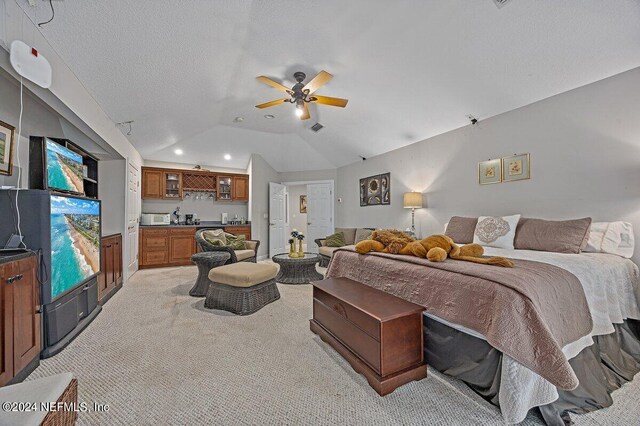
(205, 262)
(242, 288)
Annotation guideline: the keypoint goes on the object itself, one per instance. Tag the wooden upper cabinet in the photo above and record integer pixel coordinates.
(241, 188)
(225, 188)
(172, 185)
(152, 183)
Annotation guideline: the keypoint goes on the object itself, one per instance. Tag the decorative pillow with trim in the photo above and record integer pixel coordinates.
(497, 231)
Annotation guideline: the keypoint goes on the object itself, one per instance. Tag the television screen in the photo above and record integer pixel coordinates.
(64, 168)
(75, 242)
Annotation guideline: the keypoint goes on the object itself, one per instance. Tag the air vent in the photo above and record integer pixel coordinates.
(501, 3)
(316, 127)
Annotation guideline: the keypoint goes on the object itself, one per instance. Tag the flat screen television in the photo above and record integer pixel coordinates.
(75, 242)
(64, 168)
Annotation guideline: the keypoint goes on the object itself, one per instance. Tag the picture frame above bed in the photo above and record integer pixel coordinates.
(490, 171)
(516, 167)
(375, 190)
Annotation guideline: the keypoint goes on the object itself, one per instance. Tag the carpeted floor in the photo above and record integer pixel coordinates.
(156, 356)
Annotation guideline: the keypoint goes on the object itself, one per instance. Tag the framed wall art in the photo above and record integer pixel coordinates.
(490, 171)
(375, 190)
(516, 167)
(7, 140)
(303, 204)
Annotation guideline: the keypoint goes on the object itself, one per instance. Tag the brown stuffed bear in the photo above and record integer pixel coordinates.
(385, 241)
(436, 248)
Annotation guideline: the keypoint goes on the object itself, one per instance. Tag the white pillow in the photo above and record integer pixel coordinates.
(496, 232)
(611, 237)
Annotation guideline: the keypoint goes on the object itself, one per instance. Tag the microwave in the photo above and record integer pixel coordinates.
(155, 219)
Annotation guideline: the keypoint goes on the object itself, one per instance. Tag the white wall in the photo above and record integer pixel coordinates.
(111, 188)
(205, 209)
(260, 174)
(585, 161)
(297, 220)
(66, 87)
(305, 176)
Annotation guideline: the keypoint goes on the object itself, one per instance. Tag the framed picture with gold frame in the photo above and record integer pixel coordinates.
(516, 167)
(7, 139)
(303, 204)
(490, 171)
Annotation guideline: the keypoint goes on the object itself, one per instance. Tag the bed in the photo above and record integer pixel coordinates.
(569, 367)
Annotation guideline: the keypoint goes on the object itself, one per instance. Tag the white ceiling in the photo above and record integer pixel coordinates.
(183, 70)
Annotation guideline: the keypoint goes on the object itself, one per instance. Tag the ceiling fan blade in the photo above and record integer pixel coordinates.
(305, 112)
(268, 81)
(318, 81)
(272, 103)
(328, 100)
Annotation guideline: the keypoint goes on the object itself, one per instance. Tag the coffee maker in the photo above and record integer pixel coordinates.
(188, 219)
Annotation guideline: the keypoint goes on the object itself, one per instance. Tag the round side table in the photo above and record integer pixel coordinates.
(297, 270)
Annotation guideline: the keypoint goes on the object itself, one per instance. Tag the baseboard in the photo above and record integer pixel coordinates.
(263, 257)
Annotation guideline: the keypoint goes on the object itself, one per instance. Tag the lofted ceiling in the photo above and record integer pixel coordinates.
(183, 70)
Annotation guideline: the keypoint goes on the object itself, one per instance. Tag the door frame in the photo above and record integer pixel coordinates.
(333, 198)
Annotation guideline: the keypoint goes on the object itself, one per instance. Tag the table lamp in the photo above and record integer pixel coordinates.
(413, 201)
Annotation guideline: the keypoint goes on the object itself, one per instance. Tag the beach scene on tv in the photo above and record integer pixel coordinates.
(75, 242)
(64, 168)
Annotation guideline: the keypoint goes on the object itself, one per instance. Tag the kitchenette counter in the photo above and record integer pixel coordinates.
(216, 224)
(12, 256)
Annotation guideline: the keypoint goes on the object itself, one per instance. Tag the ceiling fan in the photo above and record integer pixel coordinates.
(301, 94)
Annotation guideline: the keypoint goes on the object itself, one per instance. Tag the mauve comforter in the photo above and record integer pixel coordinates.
(529, 312)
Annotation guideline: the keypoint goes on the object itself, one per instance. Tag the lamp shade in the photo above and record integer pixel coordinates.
(412, 200)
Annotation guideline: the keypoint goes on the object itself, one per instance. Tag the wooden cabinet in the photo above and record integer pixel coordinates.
(19, 318)
(171, 185)
(225, 188)
(240, 188)
(170, 246)
(152, 183)
(111, 267)
(239, 230)
(182, 244)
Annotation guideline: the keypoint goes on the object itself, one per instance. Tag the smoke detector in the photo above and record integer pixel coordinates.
(316, 127)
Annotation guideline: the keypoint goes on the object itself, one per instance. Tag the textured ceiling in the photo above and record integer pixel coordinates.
(183, 70)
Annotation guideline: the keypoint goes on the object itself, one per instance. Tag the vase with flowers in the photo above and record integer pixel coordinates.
(292, 248)
(300, 238)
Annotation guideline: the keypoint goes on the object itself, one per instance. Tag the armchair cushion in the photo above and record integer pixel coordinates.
(217, 237)
(244, 254)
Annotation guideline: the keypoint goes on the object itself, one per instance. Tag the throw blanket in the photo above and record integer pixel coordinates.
(528, 312)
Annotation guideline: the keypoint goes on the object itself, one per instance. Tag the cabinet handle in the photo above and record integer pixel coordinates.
(10, 280)
(19, 277)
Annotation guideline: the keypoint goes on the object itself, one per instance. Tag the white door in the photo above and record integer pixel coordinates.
(277, 243)
(134, 202)
(319, 213)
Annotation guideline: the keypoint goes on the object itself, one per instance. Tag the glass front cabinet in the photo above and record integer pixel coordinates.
(224, 188)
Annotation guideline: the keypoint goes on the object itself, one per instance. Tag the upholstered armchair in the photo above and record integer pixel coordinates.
(248, 255)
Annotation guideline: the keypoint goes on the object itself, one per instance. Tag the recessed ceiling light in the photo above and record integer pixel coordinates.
(227, 157)
(178, 151)
(238, 120)
(269, 116)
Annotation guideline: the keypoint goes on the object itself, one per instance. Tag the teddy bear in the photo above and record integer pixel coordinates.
(435, 248)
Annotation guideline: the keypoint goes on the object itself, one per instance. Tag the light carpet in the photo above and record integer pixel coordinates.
(155, 355)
